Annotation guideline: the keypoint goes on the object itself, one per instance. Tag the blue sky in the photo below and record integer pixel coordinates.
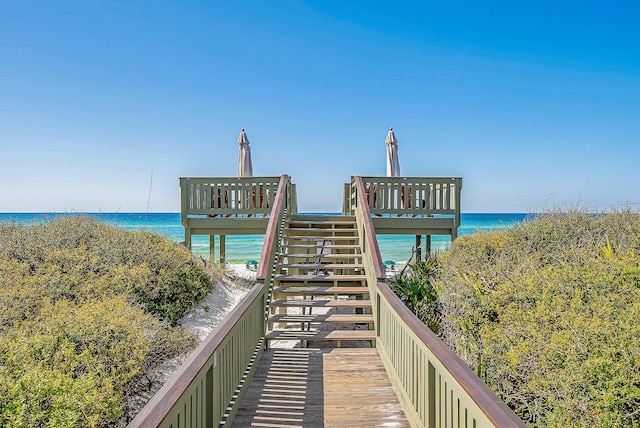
(532, 103)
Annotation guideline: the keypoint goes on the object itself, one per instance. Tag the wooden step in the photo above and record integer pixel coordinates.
(320, 278)
(352, 230)
(341, 284)
(320, 266)
(319, 238)
(321, 303)
(315, 318)
(326, 247)
(338, 335)
(321, 291)
(320, 256)
(321, 222)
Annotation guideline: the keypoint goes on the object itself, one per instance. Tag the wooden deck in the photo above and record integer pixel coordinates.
(339, 387)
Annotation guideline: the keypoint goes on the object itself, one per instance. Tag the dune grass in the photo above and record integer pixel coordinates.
(547, 313)
(86, 310)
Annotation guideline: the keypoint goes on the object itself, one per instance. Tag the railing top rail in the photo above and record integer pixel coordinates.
(270, 237)
(228, 179)
(372, 242)
(405, 178)
(486, 400)
(165, 399)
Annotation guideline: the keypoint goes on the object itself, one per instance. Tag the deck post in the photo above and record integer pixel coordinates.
(187, 238)
(223, 254)
(212, 249)
(427, 245)
(418, 248)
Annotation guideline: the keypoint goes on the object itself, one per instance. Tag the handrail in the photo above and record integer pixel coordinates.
(371, 258)
(369, 234)
(272, 234)
(436, 387)
(198, 383)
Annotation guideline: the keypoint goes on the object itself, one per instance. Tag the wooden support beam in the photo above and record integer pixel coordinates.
(212, 249)
(418, 248)
(187, 237)
(223, 253)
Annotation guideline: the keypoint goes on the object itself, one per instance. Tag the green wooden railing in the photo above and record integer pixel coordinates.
(409, 196)
(208, 387)
(233, 196)
(372, 260)
(435, 387)
(285, 204)
(199, 393)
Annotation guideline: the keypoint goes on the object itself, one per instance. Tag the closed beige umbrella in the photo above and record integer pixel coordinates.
(245, 169)
(393, 164)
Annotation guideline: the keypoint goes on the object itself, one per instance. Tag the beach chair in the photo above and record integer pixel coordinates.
(219, 199)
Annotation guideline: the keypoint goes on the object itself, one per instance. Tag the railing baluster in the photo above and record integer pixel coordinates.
(221, 197)
(415, 196)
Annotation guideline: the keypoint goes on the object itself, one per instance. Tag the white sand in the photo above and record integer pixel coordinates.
(225, 296)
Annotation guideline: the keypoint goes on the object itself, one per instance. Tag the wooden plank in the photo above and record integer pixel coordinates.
(320, 256)
(321, 335)
(318, 238)
(323, 229)
(322, 290)
(319, 222)
(328, 246)
(321, 266)
(334, 318)
(320, 278)
(326, 303)
(318, 388)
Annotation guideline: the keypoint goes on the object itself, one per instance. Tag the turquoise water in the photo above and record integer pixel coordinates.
(244, 247)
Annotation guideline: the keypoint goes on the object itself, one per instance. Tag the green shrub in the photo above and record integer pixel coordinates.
(415, 288)
(77, 324)
(74, 256)
(547, 312)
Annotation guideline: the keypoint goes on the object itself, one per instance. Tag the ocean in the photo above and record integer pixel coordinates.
(245, 247)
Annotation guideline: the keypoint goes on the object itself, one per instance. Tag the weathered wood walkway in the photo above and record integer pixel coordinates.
(339, 387)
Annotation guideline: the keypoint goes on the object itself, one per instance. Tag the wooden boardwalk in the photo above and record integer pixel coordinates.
(339, 387)
(317, 278)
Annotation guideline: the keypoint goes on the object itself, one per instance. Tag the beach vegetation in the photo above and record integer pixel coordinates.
(547, 314)
(86, 311)
(415, 287)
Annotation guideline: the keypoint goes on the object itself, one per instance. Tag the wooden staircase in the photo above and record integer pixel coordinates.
(320, 293)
